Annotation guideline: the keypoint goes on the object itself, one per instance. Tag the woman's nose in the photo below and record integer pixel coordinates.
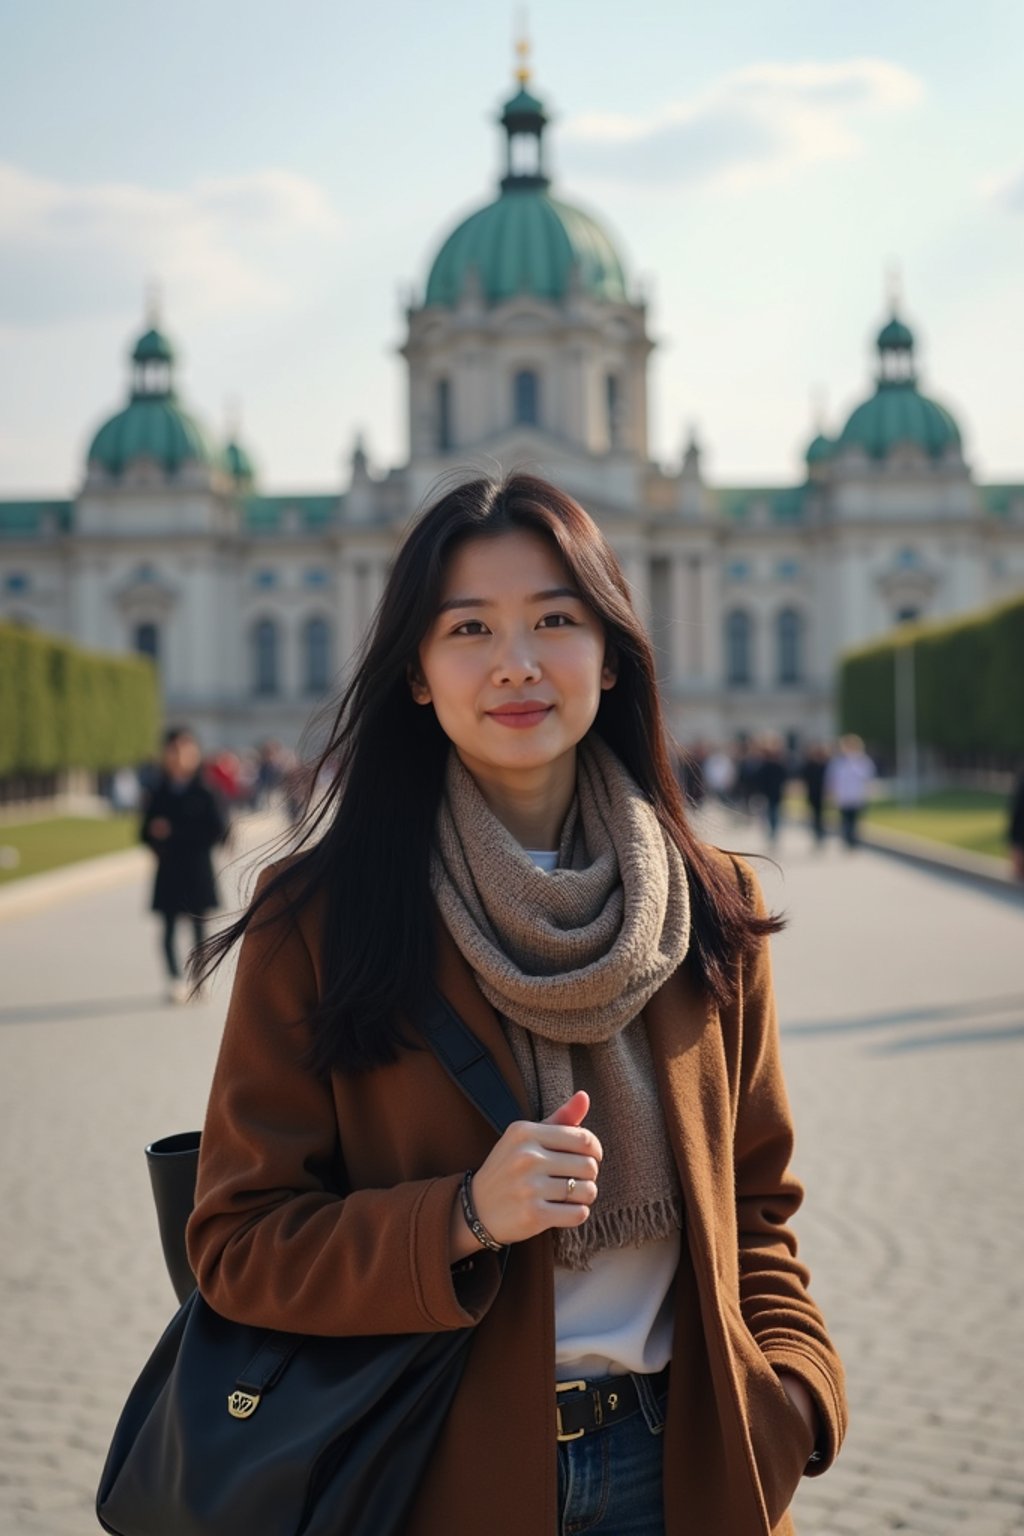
(516, 665)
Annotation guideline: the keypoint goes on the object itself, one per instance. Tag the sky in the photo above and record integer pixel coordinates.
(285, 175)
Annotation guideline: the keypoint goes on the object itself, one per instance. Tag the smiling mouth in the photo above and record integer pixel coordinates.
(521, 718)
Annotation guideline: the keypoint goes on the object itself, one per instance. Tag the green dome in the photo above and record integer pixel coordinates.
(154, 427)
(153, 347)
(527, 242)
(895, 337)
(820, 449)
(899, 413)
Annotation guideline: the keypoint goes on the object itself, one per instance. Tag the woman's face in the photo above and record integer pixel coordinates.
(514, 662)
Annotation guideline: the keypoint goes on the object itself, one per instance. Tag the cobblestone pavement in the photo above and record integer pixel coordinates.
(902, 1005)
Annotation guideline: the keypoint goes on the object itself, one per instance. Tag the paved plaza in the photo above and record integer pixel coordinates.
(902, 1004)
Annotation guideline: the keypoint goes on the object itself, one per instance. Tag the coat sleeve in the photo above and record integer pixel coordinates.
(275, 1238)
(774, 1299)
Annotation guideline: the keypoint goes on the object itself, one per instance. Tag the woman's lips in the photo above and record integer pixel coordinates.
(521, 720)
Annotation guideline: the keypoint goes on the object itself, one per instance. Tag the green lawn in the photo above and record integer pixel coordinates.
(973, 819)
(29, 848)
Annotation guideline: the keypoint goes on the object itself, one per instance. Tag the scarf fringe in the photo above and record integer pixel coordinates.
(574, 1248)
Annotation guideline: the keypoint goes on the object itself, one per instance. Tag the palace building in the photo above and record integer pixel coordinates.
(528, 349)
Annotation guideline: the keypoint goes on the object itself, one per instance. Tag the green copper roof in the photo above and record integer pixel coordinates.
(1001, 500)
(895, 337)
(820, 449)
(527, 242)
(898, 413)
(265, 514)
(24, 519)
(736, 504)
(153, 347)
(154, 427)
(523, 106)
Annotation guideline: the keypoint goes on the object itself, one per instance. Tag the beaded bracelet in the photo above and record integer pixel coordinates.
(473, 1221)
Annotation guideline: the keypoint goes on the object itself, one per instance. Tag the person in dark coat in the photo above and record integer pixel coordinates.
(770, 782)
(1016, 828)
(813, 771)
(182, 823)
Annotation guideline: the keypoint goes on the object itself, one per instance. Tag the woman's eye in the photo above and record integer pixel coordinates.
(557, 620)
(467, 626)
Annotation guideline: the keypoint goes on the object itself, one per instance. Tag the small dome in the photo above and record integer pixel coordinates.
(527, 242)
(152, 427)
(524, 113)
(153, 347)
(899, 413)
(895, 337)
(820, 449)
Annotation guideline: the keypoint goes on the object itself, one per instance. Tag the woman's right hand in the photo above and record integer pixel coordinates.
(520, 1189)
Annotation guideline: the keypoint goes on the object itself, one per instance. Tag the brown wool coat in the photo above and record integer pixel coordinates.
(273, 1246)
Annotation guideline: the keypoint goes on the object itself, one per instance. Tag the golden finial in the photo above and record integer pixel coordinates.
(523, 70)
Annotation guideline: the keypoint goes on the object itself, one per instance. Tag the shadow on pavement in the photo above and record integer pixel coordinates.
(93, 1008)
(970, 1011)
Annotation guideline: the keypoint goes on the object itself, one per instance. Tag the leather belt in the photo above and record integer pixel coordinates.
(583, 1406)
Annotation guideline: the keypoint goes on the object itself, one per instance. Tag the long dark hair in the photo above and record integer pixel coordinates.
(366, 843)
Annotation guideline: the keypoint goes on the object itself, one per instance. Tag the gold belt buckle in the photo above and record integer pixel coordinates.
(568, 1386)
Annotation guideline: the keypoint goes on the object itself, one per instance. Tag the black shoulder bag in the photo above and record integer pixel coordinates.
(231, 1429)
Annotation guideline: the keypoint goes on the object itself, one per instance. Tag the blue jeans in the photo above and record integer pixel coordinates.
(609, 1482)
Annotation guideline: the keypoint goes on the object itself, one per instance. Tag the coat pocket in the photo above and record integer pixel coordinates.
(779, 1438)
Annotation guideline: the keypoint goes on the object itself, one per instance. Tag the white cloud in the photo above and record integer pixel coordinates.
(759, 123)
(69, 251)
(1005, 189)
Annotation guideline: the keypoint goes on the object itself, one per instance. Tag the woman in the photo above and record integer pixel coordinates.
(182, 824)
(504, 822)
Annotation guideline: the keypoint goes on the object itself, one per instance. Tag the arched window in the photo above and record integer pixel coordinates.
(316, 647)
(265, 650)
(146, 640)
(527, 398)
(737, 647)
(444, 414)
(789, 635)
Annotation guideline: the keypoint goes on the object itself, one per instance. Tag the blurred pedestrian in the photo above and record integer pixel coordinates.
(813, 771)
(1016, 829)
(770, 781)
(182, 823)
(719, 774)
(847, 784)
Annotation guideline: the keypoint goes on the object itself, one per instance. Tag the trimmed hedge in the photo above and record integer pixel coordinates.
(61, 707)
(968, 684)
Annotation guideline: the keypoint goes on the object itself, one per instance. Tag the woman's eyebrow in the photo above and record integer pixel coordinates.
(484, 602)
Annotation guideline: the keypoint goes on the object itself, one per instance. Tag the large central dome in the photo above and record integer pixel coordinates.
(526, 241)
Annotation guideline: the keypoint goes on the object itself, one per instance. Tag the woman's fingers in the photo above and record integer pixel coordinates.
(583, 1192)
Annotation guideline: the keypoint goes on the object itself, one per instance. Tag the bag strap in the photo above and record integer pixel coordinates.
(467, 1061)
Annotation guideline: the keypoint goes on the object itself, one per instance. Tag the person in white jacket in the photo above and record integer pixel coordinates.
(847, 784)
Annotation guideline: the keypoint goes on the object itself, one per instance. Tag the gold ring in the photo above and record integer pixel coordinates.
(570, 1185)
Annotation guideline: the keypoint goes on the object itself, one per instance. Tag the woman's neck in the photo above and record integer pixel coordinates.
(534, 806)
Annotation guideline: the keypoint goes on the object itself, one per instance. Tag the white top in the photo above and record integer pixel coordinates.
(616, 1316)
(847, 778)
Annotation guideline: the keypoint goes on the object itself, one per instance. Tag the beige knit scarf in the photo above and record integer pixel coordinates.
(569, 959)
